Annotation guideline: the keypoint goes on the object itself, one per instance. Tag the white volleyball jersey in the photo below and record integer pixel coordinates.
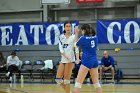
(66, 45)
(13, 61)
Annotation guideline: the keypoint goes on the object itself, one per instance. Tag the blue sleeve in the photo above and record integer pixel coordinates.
(102, 61)
(80, 41)
(112, 61)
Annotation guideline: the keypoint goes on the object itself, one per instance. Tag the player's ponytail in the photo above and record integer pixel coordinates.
(89, 31)
(86, 28)
(92, 31)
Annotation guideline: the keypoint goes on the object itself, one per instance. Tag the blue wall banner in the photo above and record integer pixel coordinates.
(118, 31)
(32, 33)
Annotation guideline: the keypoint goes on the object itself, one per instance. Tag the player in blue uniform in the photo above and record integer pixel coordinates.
(88, 42)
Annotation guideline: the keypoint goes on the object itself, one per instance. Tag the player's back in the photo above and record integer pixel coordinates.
(90, 45)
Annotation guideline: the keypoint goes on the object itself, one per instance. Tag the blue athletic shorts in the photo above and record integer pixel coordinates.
(90, 61)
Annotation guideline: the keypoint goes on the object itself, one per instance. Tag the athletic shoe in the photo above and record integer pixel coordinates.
(88, 81)
(10, 79)
(100, 82)
(113, 81)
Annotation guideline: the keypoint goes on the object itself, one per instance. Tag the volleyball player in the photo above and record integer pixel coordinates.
(88, 42)
(66, 47)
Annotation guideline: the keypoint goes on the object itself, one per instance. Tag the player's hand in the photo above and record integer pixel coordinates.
(76, 30)
(77, 61)
(68, 59)
(105, 68)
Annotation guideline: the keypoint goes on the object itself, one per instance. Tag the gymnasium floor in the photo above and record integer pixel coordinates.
(125, 87)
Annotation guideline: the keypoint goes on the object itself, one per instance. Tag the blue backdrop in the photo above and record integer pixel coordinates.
(118, 31)
(32, 33)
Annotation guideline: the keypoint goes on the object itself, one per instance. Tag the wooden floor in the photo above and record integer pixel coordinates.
(53, 88)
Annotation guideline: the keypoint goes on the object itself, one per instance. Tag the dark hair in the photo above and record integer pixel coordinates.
(67, 22)
(89, 31)
(13, 53)
(2, 57)
(92, 32)
(86, 28)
